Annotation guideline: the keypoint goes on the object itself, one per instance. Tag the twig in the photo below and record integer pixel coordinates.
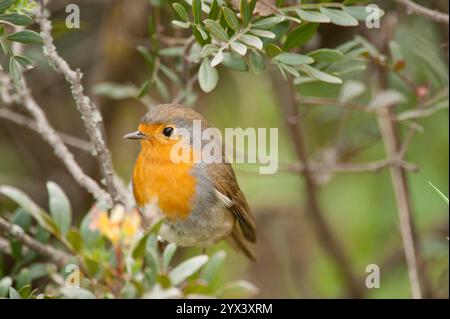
(47, 132)
(31, 124)
(352, 167)
(90, 114)
(288, 102)
(358, 107)
(16, 231)
(416, 268)
(434, 15)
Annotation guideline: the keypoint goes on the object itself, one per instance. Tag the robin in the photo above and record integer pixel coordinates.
(202, 201)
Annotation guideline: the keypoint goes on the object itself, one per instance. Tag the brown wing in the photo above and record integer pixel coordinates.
(224, 180)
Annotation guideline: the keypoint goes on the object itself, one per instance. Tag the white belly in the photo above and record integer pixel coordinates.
(200, 231)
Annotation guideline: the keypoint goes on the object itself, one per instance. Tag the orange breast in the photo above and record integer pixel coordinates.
(157, 179)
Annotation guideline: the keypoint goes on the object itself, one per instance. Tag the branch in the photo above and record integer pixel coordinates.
(352, 167)
(16, 231)
(434, 15)
(359, 107)
(31, 124)
(90, 114)
(288, 102)
(47, 132)
(416, 267)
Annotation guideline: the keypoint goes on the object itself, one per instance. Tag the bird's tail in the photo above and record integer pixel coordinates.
(238, 241)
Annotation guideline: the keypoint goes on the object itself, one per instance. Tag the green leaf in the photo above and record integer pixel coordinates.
(245, 12)
(312, 16)
(339, 17)
(231, 18)
(17, 19)
(24, 61)
(5, 284)
(252, 40)
(234, 62)
(326, 55)
(208, 49)
(138, 250)
(168, 255)
(5, 4)
(14, 71)
(263, 33)
(59, 205)
(300, 35)
(24, 201)
(186, 269)
(25, 36)
(196, 10)
(237, 289)
(351, 90)
(115, 91)
(218, 58)
(216, 30)
(214, 10)
(181, 11)
(267, 23)
(272, 50)
(13, 294)
(23, 279)
(293, 58)
(256, 62)
(181, 24)
(77, 293)
(320, 75)
(360, 13)
(202, 32)
(212, 268)
(88, 235)
(290, 69)
(386, 98)
(74, 239)
(445, 198)
(144, 89)
(239, 47)
(208, 76)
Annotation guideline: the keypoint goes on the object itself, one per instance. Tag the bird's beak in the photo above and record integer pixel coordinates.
(135, 136)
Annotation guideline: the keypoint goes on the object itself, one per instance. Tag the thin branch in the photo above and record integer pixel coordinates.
(288, 102)
(90, 114)
(16, 231)
(22, 120)
(358, 107)
(43, 127)
(375, 166)
(414, 261)
(412, 7)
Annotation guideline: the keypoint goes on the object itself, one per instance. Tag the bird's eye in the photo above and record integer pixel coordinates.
(167, 131)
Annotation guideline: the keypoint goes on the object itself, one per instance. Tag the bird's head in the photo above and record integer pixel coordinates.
(164, 125)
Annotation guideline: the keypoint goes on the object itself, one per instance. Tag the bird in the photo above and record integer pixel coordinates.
(201, 200)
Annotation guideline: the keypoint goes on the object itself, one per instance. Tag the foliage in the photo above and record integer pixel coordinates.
(14, 16)
(242, 38)
(116, 259)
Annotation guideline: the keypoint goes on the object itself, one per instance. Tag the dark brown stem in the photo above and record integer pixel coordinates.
(286, 94)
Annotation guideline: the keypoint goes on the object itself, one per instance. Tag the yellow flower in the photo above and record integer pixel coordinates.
(119, 226)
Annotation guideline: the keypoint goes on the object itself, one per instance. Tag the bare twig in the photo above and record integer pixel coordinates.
(288, 102)
(24, 97)
(434, 15)
(31, 124)
(90, 114)
(360, 108)
(375, 166)
(416, 267)
(16, 231)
